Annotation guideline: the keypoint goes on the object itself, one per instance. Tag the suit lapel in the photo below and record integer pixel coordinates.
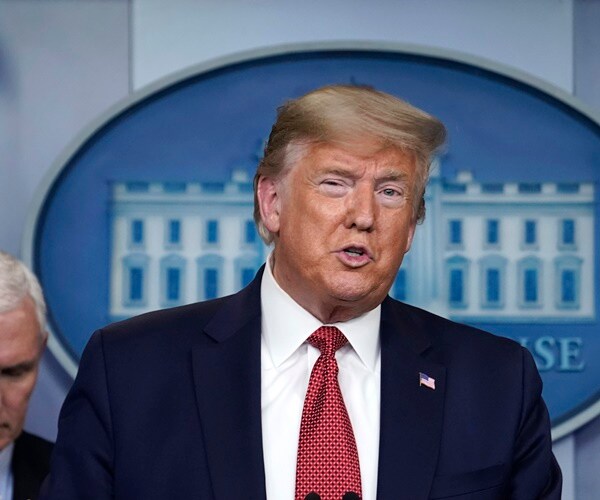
(226, 364)
(411, 414)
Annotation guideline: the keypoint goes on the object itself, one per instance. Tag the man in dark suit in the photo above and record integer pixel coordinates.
(24, 458)
(240, 397)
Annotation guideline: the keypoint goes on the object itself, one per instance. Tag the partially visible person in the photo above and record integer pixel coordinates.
(24, 458)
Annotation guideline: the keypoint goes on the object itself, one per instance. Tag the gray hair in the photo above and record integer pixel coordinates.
(342, 114)
(16, 283)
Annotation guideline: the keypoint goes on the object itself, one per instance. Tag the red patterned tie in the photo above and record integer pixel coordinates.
(327, 455)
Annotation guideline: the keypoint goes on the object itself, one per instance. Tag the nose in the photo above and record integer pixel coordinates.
(361, 209)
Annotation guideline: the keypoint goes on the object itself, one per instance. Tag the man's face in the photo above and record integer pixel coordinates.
(20, 349)
(343, 221)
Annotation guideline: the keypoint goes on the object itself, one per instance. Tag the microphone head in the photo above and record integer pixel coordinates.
(350, 495)
(312, 496)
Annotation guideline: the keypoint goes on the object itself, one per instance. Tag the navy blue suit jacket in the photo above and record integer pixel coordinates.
(30, 465)
(167, 405)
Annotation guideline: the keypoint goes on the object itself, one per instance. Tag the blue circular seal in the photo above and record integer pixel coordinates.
(151, 206)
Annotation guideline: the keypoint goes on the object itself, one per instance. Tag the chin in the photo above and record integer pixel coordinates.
(354, 292)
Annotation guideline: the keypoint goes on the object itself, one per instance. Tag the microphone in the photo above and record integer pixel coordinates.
(312, 496)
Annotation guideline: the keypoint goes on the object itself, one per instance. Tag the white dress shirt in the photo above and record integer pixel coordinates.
(286, 362)
(6, 479)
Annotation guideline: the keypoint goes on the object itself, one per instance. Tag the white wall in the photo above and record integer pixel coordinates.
(64, 62)
(535, 36)
(61, 64)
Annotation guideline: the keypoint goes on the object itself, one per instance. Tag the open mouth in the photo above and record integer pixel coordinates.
(355, 256)
(354, 251)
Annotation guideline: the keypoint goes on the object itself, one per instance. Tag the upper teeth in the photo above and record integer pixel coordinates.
(354, 250)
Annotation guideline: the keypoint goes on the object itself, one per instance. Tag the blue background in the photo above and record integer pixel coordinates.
(203, 127)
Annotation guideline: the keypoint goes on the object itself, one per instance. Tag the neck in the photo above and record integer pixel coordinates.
(335, 311)
(335, 314)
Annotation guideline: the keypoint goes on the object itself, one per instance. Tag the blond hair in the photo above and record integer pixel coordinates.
(342, 114)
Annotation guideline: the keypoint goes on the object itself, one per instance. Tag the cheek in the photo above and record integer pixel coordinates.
(397, 240)
(307, 223)
(15, 396)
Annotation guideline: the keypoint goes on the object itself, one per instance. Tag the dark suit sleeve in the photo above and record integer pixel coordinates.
(82, 461)
(536, 473)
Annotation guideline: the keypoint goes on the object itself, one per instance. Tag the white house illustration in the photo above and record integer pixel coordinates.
(180, 242)
(499, 252)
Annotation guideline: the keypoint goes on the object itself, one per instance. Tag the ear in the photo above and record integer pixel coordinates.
(411, 235)
(269, 202)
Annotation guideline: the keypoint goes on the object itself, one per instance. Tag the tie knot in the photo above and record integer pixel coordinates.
(328, 339)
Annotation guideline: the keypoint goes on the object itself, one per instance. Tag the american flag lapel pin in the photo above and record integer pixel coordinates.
(426, 380)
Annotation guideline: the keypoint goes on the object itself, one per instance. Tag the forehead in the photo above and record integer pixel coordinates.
(364, 153)
(19, 333)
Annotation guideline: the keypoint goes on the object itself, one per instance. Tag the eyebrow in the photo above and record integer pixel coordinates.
(342, 172)
(389, 174)
(392, 175)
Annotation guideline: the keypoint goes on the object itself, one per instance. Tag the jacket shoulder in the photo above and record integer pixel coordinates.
(177, 319)
(450, 339)
(26, 442)
(30, 464)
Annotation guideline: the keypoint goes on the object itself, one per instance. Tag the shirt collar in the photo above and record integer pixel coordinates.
(286, 325)
(6, 459)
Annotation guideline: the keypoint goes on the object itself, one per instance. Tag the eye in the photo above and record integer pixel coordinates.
(393, 195)
(334, 187)
(391, 192)
(15, 372)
